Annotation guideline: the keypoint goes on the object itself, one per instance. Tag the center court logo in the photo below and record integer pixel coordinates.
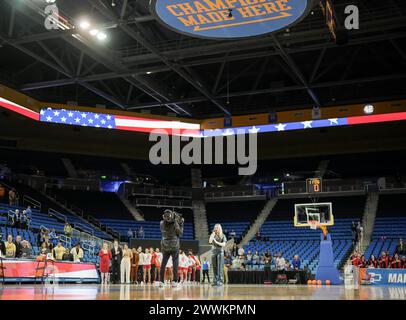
(229, 18)
(189, 148)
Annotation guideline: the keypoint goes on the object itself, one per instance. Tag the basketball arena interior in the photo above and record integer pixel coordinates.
(306, 99)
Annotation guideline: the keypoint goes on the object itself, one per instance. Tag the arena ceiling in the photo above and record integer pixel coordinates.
(142, 65)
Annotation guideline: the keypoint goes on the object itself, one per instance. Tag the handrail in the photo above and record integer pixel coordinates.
(146, 202)
(94, 221)
(83, 236)
(66, 239)
(77, 210)
(88, 247)
(57, 214)
(32, 202)
(43, 227)
(84, 228)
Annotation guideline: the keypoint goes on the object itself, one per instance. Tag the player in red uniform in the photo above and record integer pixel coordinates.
(355, 259)
(363, 263)
(396, 263)
(373, 262)
(384, 261)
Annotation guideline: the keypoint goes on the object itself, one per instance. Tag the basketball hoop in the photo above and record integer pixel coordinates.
(313, 224)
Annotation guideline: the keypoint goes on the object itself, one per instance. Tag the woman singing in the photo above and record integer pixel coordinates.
(218, 241)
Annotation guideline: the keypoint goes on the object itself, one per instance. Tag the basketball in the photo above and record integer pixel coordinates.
(319, 282)
(328, 282)
(309, 282)
(314, 282)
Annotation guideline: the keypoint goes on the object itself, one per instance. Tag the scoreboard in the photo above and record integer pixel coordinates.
(314, 185)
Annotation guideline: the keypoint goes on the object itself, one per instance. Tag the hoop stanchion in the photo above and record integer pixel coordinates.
(326, 270)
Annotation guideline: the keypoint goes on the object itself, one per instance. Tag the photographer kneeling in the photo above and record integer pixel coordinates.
(172, 230)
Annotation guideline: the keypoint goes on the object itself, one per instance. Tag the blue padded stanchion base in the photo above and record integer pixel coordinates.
(326, 269)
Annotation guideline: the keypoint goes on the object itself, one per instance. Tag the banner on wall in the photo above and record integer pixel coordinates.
(30, 270)
(386, 276)
(229, 19)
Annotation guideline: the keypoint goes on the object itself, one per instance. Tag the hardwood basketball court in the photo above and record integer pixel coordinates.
(202, 292)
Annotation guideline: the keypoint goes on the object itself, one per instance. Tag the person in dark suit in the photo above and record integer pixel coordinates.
(67, 256)
(19, 247)
(116, 254)
(2, 246)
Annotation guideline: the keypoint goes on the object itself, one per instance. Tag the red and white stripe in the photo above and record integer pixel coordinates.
(19, 109)
(149, 125)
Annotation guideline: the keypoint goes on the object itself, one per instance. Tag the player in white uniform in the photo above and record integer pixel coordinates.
(183, 266)
(168, 270)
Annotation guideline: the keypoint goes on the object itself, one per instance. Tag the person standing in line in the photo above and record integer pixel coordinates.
(205, 268)
(198, 267)
(218, 241)
(125, 265)
(116, 254)
(147, 266)
(158, 262)
(153, 258)
(168, 271)
(141, 264)
(105, 258)
(134, 265)
(191, 269)
(183, 267)
(195, 265)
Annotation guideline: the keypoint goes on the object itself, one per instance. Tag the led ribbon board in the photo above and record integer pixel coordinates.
(303, 125)
(111, 121)
(119, 122)
(229, 19)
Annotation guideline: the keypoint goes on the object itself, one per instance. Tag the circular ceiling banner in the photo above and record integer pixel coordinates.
(229, 19)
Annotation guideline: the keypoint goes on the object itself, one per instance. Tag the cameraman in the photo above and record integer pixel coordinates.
(172, 230)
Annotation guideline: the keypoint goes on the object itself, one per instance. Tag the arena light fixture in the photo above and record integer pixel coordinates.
(101, 36)
(368, 109)
(84, 24)
(94, 32)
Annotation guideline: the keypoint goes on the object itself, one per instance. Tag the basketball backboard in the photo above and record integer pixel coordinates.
(321, 213)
